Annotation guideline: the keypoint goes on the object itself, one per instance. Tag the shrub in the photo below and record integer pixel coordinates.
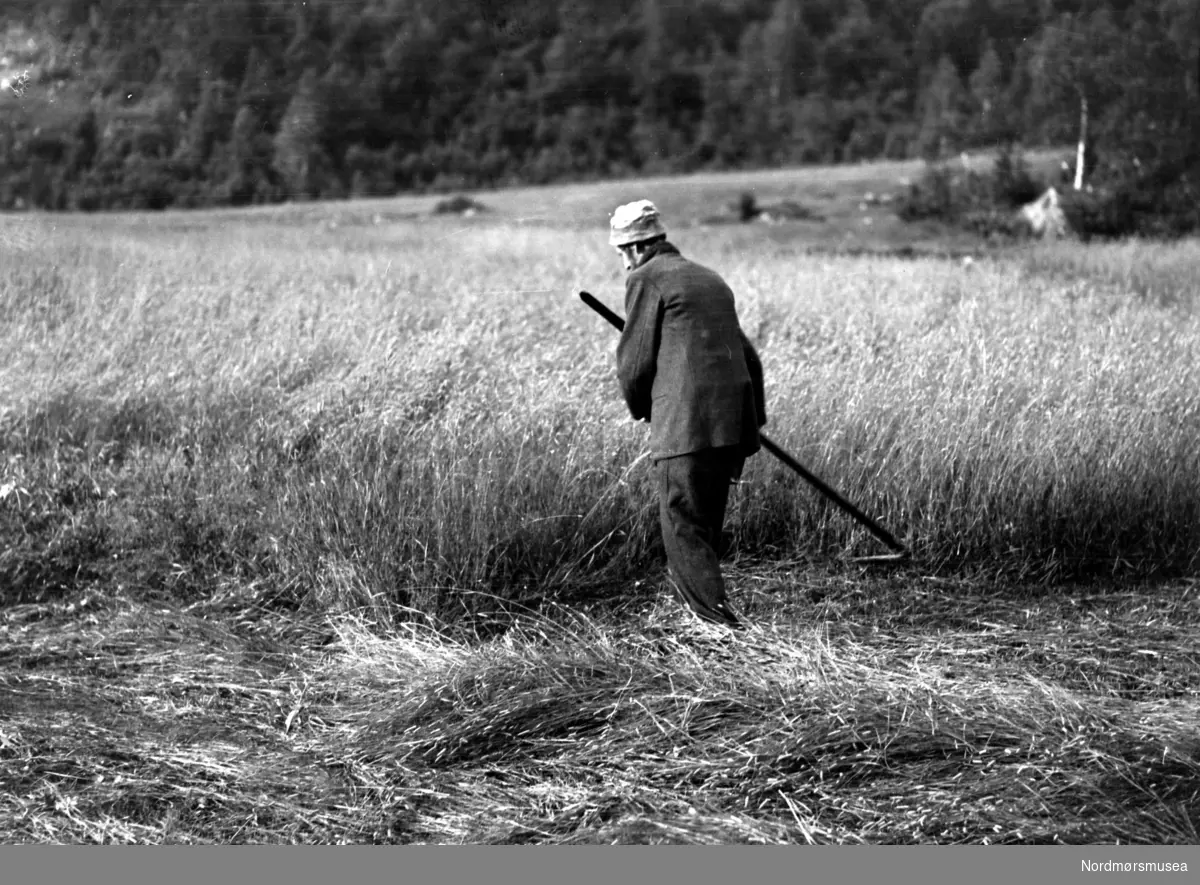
(980, 202)
(150, 183)
(931, 196)
(994, 224)
(1096, 213)
(747, 206)
(1013, 184)
(1128, 199)
(460, 204)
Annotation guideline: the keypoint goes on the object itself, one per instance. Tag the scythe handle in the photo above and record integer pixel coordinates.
(820, 485)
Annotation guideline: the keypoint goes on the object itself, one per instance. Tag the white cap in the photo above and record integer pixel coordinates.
(635, 222)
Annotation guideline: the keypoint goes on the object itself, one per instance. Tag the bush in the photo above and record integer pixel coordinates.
(931, 196)
(1096, 213)
(1146, 205)
(151, 183)
(943, 193)
(747, 206)
(370, 171)
(995, 224)
(982, 203)
(1012, 183)
(460, 204)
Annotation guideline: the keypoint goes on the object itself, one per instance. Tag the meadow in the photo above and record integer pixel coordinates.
(326, 523)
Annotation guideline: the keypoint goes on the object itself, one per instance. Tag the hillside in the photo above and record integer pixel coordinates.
(149, 104)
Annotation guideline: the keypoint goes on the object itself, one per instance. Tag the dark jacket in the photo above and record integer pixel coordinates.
(684, 363)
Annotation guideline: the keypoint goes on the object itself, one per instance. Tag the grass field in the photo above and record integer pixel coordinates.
(326, 523)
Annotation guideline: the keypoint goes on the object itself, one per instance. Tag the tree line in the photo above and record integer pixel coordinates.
(157, 103)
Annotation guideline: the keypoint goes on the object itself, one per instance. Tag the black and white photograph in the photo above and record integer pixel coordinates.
(603, 422)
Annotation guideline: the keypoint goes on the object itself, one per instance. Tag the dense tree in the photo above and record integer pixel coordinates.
(789, 55)
(298, 145)
(720, 142)
(990, 121)
(1073, 69)
(855, 53)
(944, 113)
(246, 173)
(193, 102)
(950, 29)
(209, 123)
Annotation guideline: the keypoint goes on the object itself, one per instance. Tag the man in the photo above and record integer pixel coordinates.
(685, 366)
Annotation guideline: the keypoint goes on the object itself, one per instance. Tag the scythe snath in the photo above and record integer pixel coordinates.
(900, 552)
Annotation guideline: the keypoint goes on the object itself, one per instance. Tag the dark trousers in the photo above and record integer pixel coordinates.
(693, 492)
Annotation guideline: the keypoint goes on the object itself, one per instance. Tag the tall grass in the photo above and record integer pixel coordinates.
(1162, 273)
(422, 414)
(995, 416)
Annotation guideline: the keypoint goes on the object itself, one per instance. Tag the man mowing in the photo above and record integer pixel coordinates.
(685, 366)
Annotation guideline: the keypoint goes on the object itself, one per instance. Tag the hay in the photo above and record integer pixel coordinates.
(888, 741)
(895, 711)
(143, 723)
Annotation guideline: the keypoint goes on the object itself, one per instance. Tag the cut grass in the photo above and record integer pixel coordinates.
(946, 714)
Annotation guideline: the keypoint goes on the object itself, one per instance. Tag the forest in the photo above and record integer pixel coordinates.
(148, 104)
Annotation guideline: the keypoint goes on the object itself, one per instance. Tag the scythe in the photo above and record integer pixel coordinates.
(900, 552)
